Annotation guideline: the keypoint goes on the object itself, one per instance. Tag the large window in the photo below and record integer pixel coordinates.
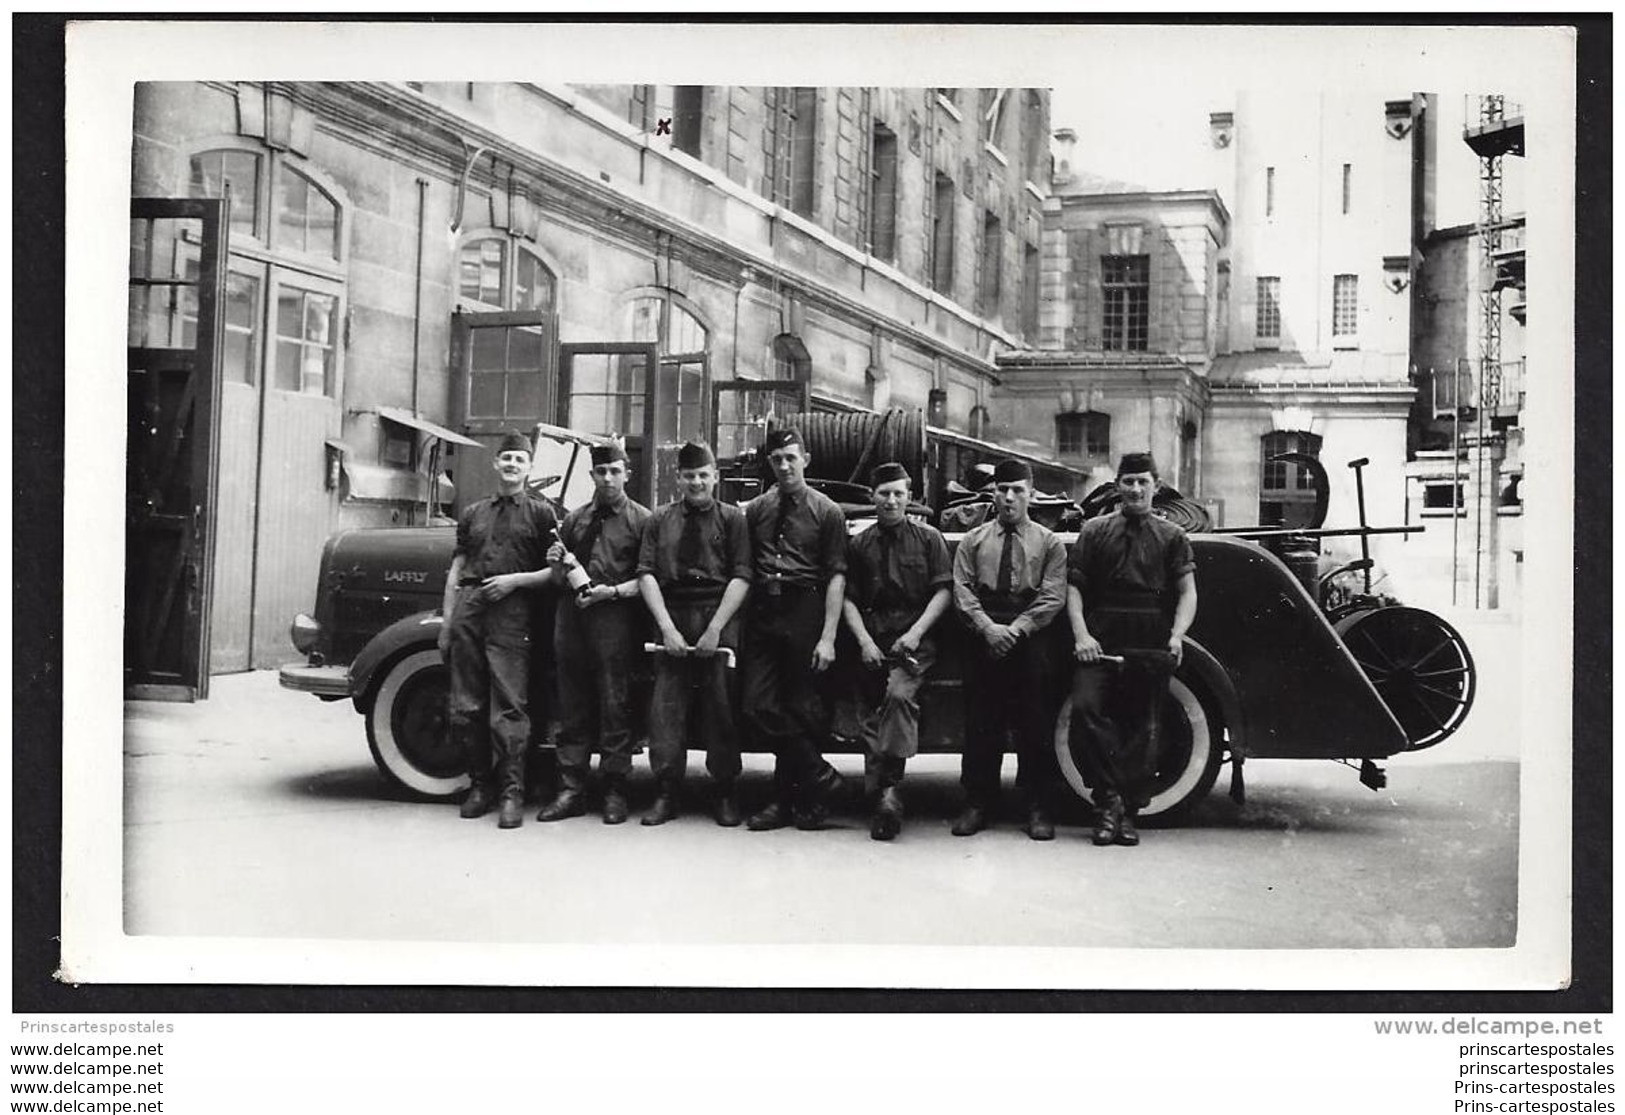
(942, 234)
(993, 104)
(883, 200)
(682, 339)
(1286, 489)
(1084, 433)
(1125, 283)
(1345, 305)
(1030, 279)
(1267, 320)
(803, 149)
(508, 366)
(285, 294)
(987, 297)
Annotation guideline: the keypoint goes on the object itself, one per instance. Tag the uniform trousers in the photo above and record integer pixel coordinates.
(595, 650)
(693, 690)
(890, 716)
(1004, 696)
(488, 663)
(782, 706)
(1116, 709)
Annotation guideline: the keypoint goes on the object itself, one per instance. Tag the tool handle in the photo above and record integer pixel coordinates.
(727, 653)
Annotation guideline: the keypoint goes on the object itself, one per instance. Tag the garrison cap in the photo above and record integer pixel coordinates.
(778, 439)
(886, 473)
(514, 440)
(608, 454)
(1010, 470)
(695, 454)
(1137, 462)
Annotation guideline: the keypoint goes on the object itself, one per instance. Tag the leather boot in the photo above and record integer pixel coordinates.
(1039, 824)
(888, 819)
(1108, 816)
(728, 814)
(477, 802)
(569, 803)
(615, 810)
(511, 806)
(665, 807)
(775, 815)
(1127, 835)
(972, 821)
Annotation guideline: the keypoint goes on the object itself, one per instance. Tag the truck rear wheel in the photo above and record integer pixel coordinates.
(407, 729)
(1192, 750)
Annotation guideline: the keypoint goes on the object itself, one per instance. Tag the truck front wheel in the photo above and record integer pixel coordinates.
(1192, 749)
(407, 729)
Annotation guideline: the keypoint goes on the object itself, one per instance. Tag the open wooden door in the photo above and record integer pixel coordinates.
(172, 457)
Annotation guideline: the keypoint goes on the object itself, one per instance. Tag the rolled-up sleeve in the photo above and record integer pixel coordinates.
(736, 537)
(647, 545)
(1051, 596)
(1181, 558)
(832, 541)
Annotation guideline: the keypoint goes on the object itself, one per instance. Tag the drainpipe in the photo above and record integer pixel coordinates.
(417, 293)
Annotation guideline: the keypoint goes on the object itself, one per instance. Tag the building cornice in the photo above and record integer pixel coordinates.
(428, 130)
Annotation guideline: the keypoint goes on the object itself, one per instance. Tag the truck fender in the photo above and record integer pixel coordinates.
(413, 632)
(1215, 681)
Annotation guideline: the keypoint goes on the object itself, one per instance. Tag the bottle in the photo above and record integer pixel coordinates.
(574, 574)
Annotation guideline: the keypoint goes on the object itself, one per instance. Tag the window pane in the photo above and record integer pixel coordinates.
(687, 334)
(485, 395)
(525, 348)
(589, 375)
(533, 284)
(319, 318)
(239, 358)
(631, 374)
(290, 212)
(479, 271)
(1268, 320)
(287, 366)
(138, 248)
(216, 172)
(525, 395)
(322, 223)
(590, 412)
(490, 351)
(1345, 305)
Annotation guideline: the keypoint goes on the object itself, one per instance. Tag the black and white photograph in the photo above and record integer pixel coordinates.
(1069, 506)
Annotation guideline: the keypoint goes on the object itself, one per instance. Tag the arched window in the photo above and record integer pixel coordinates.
(495, 273)
(285, 290)
(1286, 490)
(681, 339)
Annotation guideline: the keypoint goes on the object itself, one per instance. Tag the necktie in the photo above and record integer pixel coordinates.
(589, 536)
(886, 589)
(1007, 563)
(688, 545)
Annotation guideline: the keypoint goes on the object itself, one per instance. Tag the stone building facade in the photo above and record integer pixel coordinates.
(1268, 310)
(409, 258)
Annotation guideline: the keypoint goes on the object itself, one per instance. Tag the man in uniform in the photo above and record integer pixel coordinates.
(897, 586)
(1009, 584)
(798, 554)
(499, 560)
(1131, 593)
(694, 572)
(597, 636)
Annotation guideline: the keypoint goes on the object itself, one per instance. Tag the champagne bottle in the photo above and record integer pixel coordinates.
(574, 573)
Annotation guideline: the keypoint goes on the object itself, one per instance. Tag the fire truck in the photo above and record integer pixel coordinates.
(1286, 659)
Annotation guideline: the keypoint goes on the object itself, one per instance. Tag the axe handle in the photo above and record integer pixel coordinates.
(727, 653)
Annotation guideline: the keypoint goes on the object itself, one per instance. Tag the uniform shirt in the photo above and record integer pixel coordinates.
(896, 591)
(1037, 582)
(812, 545)
(504, 534)
(1120, 555)
(724, 552)
(614, 557)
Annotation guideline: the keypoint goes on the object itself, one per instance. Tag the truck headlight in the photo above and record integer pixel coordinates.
(303, 632)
